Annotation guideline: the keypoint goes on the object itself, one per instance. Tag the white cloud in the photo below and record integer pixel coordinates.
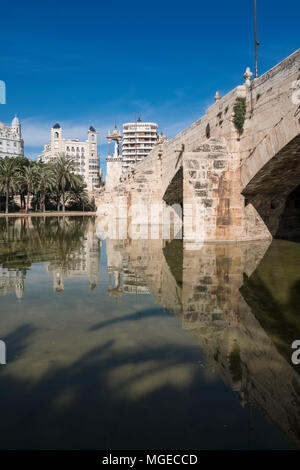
(36, 133)
(175, 115)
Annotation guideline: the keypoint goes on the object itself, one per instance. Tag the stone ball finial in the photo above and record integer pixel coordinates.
(247, 76)
(217, 96)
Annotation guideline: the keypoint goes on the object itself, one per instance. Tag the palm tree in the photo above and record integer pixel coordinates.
(28, 179)
(9, 181)
(79, 195)
(66, 179)
(46, 183)
(22, 163)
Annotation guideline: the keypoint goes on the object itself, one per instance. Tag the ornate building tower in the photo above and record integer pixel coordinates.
(11, 142)
(93, 159)
(16, 126)
(113, 163)
(56, 139)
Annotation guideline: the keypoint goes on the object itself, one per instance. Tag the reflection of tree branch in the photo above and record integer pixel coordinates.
(82, 406)
(131, 317)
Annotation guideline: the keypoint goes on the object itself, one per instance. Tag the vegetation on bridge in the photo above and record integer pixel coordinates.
(239, 117)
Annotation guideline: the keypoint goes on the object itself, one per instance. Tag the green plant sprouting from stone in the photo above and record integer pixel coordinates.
(239, 110)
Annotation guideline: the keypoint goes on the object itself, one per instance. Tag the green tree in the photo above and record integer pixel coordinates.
(22, 163)
(28, 179)
(64, 169)
(9, 180)
(46, 183)
(78, 197)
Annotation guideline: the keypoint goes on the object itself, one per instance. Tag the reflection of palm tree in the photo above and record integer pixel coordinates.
(8, 178)
(52, 239)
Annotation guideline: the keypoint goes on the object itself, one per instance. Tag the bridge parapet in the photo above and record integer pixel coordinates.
(273, 117)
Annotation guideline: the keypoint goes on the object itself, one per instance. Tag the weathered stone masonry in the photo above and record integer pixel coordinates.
(240, 180)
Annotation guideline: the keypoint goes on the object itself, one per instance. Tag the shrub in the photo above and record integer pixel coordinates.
(239, 110)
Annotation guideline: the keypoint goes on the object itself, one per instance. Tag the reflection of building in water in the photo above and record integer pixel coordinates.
(80, 263)
(69, 248)
(115, 288)
(133, 283)
(12, 280)
(121, 279)
(114, 269)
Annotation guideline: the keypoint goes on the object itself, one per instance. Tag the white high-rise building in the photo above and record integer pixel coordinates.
(84, 154)
(11, 142)
(139, 138)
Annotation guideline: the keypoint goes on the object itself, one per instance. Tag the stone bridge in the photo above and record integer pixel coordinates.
(243, 175)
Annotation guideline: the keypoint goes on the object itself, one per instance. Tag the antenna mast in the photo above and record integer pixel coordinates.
(256, 43)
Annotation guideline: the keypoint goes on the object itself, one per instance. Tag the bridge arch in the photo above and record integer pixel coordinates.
(273, 191)
(174, 192)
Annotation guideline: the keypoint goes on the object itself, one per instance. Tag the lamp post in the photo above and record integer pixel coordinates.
(256, 43)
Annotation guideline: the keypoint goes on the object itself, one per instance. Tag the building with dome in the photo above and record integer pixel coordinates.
(84, 154)
(11, 142)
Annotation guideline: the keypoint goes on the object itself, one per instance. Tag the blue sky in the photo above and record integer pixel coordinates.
(95, 62)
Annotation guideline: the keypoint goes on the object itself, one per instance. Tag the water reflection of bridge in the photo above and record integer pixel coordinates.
(242, 312)
(240, 301)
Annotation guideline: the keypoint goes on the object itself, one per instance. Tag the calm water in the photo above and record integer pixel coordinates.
(136, 344)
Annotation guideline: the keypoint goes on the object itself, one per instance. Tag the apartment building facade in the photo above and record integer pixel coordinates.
(139, 138)
(83, 153)
(11, 142)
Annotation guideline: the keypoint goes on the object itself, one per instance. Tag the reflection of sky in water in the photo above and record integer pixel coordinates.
(90, 370)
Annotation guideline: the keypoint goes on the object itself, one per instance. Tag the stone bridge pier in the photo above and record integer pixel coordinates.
(234, 174)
